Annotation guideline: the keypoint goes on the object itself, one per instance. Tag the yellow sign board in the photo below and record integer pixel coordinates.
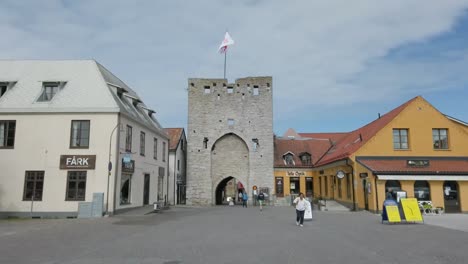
(393, 214)
(411, 210)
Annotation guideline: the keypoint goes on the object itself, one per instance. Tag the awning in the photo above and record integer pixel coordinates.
(424, 177)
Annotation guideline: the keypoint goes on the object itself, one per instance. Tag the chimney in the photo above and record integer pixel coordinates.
(379, 115)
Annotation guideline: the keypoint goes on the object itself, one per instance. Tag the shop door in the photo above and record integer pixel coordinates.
(452, 205)
(365, 189)
(146, 189)
(309, 187)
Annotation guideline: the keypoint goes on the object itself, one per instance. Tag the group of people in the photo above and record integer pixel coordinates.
(244, 198)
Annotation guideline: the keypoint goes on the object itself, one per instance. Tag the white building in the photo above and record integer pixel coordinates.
(63, 125)
(177, 165)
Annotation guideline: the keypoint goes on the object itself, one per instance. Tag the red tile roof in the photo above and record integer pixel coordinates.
(315, 147)
(174, 137)
(398, 165)
(352, 141)
(335, 136)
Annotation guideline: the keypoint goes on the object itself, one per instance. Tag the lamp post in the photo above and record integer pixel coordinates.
(109, 167)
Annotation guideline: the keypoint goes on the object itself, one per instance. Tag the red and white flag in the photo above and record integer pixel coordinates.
(228, 41)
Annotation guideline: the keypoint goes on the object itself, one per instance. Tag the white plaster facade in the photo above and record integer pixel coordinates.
(43, 134)
(177, 168)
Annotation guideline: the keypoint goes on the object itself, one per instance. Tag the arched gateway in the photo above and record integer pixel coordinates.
(229, 166)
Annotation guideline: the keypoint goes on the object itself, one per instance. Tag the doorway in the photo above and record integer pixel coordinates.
(451, 203)
(366, 188)
(146, 186)
(228, 187)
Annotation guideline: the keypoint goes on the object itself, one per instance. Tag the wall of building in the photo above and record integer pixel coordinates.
(40, 140)
(208, 115)
(146, 164)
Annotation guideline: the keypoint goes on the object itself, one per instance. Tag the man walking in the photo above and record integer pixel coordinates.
(245, 197)
(261, 198)
(300, 203)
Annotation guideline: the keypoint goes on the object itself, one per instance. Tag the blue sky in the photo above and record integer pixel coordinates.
(335, 64)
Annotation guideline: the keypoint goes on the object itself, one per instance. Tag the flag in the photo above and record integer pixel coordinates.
(228, 41)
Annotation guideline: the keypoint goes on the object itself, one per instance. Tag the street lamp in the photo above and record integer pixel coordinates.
(109, 167)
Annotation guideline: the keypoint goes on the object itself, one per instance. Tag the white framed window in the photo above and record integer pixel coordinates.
(49, 90)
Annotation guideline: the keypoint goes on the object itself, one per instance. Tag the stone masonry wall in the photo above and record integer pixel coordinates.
(208, 115)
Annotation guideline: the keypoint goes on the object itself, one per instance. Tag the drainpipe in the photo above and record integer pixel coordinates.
(376, 193)
(352, 178)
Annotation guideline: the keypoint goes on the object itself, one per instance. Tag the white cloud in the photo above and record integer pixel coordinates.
(313, 49)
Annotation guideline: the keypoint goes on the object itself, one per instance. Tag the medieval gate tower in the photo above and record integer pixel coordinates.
(230, 135)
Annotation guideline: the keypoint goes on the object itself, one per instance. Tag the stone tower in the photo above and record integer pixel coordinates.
(230, 135)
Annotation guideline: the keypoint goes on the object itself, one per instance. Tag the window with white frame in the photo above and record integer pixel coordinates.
(49, 90)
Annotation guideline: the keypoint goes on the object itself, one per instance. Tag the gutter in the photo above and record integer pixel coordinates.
(352, 178)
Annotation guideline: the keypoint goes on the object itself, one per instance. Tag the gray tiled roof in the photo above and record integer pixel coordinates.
(89, 88)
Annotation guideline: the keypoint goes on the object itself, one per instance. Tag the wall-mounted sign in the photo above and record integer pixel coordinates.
(296, 173)
(340, 174)
(128, 167)
(86, 162)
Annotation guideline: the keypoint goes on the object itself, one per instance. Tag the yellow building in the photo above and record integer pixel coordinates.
(413, 150)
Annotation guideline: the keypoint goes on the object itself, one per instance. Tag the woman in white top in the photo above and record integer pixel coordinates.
(300, 203)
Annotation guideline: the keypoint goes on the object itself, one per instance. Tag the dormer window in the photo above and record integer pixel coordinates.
(288, 159)
(306, 159)
(49, 90)
(5, 86)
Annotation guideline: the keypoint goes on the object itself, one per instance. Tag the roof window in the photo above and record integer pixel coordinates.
(49, 90)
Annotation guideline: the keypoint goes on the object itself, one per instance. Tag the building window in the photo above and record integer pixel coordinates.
(230, 90)
(279, 183)
(182, 144)
(392, 186)
(142, 143)
(205, 142)
(161, 173)
(7, 133)
(288, 159)
(33, 186)
(155, 149)
(49, 90)
(128, 139)
(231, 122)
(440, 138)
(255, 90)
(254, 144)
(178, 165)
(207, 90)
(422, 191)
(400, 138)
(79, 134)
(348, 185)
(3, 88)
(125, 188)
(339, 188)
(294, 184)
(164, 152)
(306, 159)
(76, 186)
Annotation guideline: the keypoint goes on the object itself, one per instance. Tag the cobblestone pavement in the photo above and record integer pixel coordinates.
(229, 235)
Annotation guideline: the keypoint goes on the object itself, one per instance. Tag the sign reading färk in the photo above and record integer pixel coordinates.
(87, 162)
(296, 173)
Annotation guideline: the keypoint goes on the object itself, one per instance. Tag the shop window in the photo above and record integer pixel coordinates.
(80, 134)
(394, 186)
(400, 139)
(125, 189)
(279, 183)
(422, 191)
(7, 133)
(294, 185)
(76, 186)
(33, 185)
(440, 138)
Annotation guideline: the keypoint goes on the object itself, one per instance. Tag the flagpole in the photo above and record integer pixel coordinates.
(225, 56)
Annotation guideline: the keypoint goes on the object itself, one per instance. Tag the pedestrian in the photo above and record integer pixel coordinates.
(261, 198)
(389, 195)
(300, 203)
(240, 196)
(245, 197)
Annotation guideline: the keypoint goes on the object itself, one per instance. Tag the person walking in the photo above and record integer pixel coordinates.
(389, 195)
(300, 203)
(245, 197)
(261, 198)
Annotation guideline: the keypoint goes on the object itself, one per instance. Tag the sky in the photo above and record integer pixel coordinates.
(335, 64)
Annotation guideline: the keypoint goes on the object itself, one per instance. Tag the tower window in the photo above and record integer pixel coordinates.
(207, 90)
(230, 89)
(255, 90)
(231, 122)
